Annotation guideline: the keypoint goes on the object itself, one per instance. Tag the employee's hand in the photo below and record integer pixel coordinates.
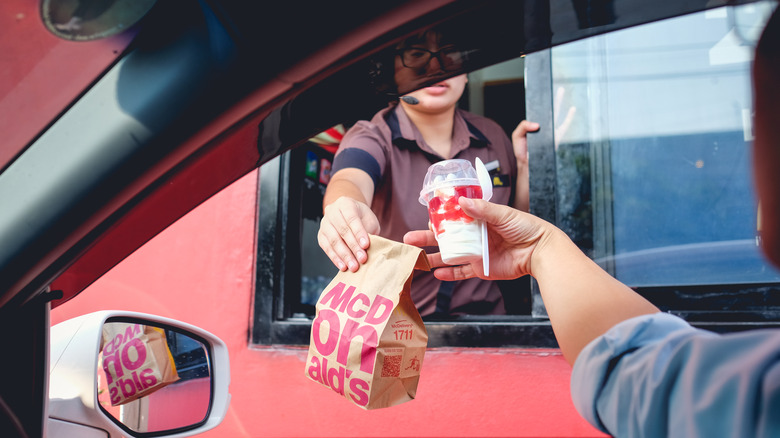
(520, 141)
(344, 230)
(513, 238)
(520, 146)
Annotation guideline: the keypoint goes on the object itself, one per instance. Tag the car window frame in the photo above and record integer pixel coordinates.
(720, 308)
(278, 258)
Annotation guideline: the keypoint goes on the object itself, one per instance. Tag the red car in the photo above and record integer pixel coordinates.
(121, 117)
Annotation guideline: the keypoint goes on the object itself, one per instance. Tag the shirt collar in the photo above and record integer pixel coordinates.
(407, 136)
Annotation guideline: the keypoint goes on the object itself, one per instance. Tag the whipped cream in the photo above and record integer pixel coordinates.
(460, 242)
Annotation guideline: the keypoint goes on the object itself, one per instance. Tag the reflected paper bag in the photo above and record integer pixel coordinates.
(136, 361)
(367, 339)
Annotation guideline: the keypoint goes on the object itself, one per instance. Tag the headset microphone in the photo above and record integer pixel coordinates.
(410, 100)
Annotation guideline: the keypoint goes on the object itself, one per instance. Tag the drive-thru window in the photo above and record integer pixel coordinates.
(644, 160)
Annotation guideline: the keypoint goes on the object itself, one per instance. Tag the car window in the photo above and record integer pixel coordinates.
(646, 167)
(658, 120)
(652, 160)
(29, 63)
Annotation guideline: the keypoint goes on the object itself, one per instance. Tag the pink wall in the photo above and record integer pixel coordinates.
(191, 395)
(200, 271)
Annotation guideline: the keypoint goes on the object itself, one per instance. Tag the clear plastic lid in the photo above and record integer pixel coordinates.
(447, 173)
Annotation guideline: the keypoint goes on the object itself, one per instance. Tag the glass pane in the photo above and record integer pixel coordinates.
(653, 149)
(314, 159)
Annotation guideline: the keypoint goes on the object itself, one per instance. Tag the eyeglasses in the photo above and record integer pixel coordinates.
(449, 57)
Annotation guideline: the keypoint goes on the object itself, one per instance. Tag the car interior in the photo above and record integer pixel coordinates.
(194, 95)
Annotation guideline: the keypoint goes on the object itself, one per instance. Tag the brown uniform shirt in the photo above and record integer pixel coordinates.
(392, 151)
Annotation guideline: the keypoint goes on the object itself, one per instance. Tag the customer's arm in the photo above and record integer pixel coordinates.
(582, 300)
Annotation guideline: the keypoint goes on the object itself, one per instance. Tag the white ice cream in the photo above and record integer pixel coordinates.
(460, 242)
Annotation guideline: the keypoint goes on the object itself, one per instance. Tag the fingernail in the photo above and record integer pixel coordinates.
(342, 266)
(353, 266)
(467, 202)
(363, 242)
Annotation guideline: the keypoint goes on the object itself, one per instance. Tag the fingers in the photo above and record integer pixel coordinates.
(344, 232)
(420, 238)
(369, 225)
(519, 140)
(435, 260)
(441, 270)
(479, 209)
(334, 247)
(454, 273)
(523, 128)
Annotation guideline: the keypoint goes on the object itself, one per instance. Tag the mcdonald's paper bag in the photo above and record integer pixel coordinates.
(136, 361)
(367, 338)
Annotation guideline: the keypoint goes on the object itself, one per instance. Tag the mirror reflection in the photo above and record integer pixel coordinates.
(152, 379)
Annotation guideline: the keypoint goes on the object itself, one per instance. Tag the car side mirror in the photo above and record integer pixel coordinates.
(134, 374)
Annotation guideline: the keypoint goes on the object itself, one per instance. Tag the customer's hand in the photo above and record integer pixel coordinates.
(582, 300)
(513, 238)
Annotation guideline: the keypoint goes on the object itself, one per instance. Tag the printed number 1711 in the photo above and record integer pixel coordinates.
(401, 335)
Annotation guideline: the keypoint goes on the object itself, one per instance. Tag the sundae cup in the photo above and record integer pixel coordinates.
(459, 235)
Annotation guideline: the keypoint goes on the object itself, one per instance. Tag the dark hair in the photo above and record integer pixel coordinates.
(448, 32)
